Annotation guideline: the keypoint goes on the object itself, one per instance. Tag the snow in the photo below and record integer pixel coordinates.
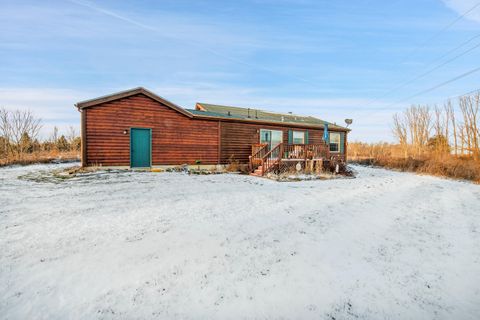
(386, 245)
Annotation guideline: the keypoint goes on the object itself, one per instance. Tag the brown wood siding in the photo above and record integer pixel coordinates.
(236, 138)
(176, 139)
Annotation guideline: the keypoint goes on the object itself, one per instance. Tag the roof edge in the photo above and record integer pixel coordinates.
(128, 93)
(332, 127)
(141, 90)
(200, 106)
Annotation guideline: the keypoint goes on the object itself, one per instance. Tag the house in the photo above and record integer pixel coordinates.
(137, 128)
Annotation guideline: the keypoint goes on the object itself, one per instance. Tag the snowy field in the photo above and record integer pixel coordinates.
(385, 245)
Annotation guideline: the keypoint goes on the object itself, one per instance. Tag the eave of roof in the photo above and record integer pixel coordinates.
(128, 93)
(251, 114)
(215, 116)
(310, 122)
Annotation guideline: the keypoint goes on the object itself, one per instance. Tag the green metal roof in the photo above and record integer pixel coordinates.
(219, 111)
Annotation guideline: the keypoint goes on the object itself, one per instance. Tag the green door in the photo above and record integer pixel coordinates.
(140, 148)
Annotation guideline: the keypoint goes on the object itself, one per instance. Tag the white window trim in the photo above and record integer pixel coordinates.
(336, 142)
(271, 130)
(298, 132)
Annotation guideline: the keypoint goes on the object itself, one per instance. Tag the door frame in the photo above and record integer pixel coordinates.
(270, 142)
(130, 132)
(270, 146)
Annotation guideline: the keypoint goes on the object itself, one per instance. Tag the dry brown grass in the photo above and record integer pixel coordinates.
(233, 164)
(41, 157)
(392, 156)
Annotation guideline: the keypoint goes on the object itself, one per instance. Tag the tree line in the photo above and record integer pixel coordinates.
(452, 129)
(438, 140)
(19, 136)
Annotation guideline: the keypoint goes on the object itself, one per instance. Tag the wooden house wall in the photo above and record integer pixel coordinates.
(236, 138)
(176, 138)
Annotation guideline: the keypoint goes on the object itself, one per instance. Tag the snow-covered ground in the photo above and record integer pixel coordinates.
(386, 245)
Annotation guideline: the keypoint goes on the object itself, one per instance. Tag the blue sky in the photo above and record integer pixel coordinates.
(331, 59)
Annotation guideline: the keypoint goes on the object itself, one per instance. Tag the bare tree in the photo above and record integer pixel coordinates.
(418, 123)
(54, 135)
(400, 132)
(71, 136)
(5, 130)
(450, 118)
(469, 107)
(438, 125)
(19, 128)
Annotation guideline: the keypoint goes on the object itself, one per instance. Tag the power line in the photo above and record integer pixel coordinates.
(403, 84)
(464, 94)
(422, 75)
(454, 49)
(451, 24)
(154, 29)
(463, 75)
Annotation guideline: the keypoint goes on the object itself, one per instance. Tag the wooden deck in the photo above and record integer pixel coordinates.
(286, 156)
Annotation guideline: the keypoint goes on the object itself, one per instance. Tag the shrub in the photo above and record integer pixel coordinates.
(233, 164)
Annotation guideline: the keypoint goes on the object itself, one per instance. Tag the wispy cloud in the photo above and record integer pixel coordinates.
(327, 58)
(462, 6)
(201, 45)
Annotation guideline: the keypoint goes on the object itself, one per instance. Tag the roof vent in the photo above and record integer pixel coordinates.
(229, 113)
(256, 114)
(248, 113)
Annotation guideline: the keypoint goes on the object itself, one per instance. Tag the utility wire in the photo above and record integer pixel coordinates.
(453, 49)
(403, 84)
(463, 75)
(464, 94)
(437, 34)
(150, 28)
(422, 75)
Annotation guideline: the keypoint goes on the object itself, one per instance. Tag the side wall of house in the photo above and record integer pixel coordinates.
(176, 138)
(236, 139)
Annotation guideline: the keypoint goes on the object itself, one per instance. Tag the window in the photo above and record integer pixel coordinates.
(298, 137)
(334, 142)
(273, 138)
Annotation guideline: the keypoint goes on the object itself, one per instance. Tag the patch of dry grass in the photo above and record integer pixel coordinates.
(393, 157)
(41, 157)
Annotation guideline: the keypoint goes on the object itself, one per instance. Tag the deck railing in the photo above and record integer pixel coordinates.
(283, 153)
(258, 151)
(306, 151)
(272, 158)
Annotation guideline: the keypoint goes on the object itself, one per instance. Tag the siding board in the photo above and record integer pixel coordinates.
(176, 139)
(236, 139)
